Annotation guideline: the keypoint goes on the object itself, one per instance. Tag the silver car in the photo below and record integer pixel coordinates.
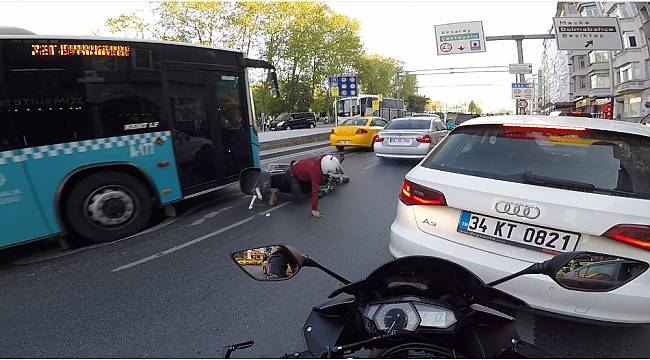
(409, 138)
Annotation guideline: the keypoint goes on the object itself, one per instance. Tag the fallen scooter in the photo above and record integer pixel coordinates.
(262, 184)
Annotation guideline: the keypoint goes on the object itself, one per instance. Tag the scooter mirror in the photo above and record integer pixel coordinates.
(593, 272)
(268, 263)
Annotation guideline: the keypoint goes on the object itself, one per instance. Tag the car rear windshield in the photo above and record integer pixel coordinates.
(410, 124)
(354, 122)
(569, 158)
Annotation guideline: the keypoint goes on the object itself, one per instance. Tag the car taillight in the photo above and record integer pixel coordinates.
(378, 139)
(361, 132)
(414, 194)
(426, 139)
(635, 235)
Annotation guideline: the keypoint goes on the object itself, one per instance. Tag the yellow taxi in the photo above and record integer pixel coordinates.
(358, 132)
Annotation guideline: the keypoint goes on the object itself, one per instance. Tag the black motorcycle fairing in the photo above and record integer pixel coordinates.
(335, 306)
(323, 330)
(485, 336)
(433, 278)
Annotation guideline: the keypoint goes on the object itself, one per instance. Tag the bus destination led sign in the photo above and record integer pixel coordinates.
(80, 50)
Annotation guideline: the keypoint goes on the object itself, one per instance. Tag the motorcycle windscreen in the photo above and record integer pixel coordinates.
(432, 278)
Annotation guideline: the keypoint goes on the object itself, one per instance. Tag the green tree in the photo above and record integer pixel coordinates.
(408, 87)
(417, 103)
(376, 73)
(473, 108)
(128, 25)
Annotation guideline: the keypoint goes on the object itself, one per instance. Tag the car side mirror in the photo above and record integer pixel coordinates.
(270, 263)
(592, 272)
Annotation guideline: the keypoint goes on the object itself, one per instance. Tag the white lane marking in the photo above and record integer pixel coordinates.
(210, 215)
(372, 165)
(194, 241)
(263, 213)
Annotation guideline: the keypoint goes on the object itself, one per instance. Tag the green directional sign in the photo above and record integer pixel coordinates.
(470, 36)
(460, 38)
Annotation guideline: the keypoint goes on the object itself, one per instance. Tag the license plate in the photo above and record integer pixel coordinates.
(516, 233)
(399, 141)
(344, 142)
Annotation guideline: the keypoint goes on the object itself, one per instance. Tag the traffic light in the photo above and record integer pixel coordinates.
(607, 109)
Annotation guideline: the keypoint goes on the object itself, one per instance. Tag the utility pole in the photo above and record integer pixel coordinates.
(612, 93)
(397, 87)
(520, 50)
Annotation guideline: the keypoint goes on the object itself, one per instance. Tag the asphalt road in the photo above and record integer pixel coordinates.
(174, 292)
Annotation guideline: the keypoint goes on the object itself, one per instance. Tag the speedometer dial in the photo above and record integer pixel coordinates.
(395, 317)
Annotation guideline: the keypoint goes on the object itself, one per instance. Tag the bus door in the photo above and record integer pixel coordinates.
(195, 146)
(233, 124)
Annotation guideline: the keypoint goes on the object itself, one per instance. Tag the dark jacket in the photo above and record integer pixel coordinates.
(277, 265)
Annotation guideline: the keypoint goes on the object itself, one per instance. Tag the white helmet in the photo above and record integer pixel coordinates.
(330, 165)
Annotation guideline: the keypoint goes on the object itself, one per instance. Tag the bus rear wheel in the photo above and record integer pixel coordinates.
(107, 206)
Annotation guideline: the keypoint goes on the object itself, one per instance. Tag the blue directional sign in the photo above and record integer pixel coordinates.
(523, 91)
(343, 86)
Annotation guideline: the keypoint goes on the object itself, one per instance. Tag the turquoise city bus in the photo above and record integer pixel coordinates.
(97, 133)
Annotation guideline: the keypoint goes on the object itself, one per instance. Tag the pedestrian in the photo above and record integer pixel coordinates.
(308, 174)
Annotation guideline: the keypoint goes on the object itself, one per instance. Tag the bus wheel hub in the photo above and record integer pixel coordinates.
(111, 206)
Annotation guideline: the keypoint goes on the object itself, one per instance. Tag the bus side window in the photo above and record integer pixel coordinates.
(8, 139)
(130, 115)
(49, 103)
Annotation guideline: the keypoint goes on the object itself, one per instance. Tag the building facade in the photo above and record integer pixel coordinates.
(556, 78)
(600, 78)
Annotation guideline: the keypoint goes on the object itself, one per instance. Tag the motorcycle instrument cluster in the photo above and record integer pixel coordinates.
(407, 316)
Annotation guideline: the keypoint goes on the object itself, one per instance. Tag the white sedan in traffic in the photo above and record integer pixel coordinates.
(500, 193)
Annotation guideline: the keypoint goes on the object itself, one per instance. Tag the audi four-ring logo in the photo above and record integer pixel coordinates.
(521, 210)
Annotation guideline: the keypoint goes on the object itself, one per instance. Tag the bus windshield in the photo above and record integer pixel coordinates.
(348, 107)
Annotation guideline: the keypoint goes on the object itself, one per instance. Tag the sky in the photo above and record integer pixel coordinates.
(399, 29)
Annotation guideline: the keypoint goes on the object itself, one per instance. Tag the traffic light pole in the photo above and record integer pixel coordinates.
(520, 51)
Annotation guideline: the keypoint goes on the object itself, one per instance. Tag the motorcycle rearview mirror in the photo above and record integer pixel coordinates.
(277, 262)
(593, 272)
(585, 271)
(269, 263)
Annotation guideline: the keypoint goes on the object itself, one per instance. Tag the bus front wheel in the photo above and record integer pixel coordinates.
(107, 206)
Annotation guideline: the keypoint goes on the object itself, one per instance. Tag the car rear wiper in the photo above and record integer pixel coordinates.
(534, 179)
(540, 180)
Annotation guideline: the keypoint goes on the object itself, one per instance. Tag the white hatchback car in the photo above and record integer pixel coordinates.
(500, 193)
